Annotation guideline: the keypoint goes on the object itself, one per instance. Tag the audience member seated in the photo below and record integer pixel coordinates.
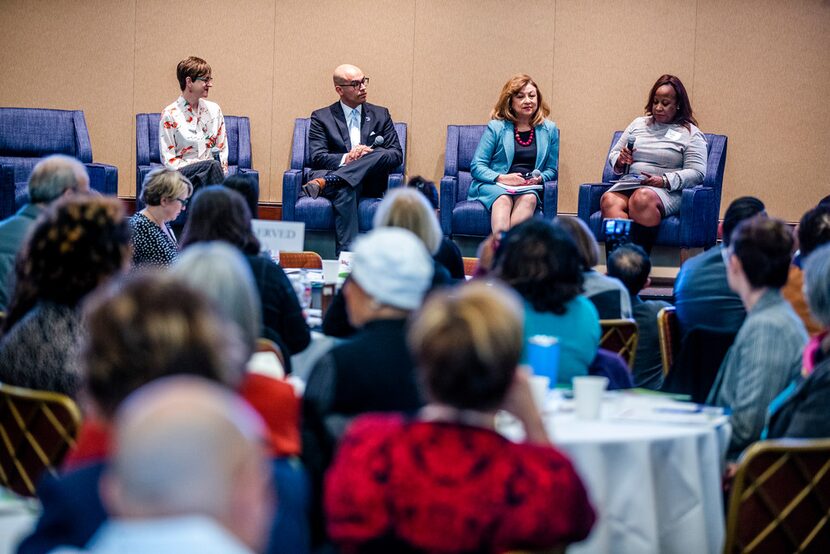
(669, 154)
(148, 326)
(247, 188)
(541, 262)
(813, 231)
(51, 178)
(518, 140)
(408, 209)
(373, 370)
(445, 481)
(187, 474)
(598, 288)
(165, 194)
(192, 126)
(801, 410)
(77, 244)
(701, 289)
(219, 213)
(448, 255)
(630, 264)
(766, 354)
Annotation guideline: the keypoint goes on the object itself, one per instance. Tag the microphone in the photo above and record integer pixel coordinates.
(627, 167)
(378, 141)
(214, 152)
(533, 174)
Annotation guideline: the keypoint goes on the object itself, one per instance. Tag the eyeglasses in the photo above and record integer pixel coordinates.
(183, 201)
(206, 80)
(356, 84)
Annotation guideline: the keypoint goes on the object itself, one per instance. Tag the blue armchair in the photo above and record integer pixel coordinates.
(318, 213)
(29, 134)
(238, 129)
(695, 226)
(460, 216)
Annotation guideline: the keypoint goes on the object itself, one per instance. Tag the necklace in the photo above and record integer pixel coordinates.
(528, 142)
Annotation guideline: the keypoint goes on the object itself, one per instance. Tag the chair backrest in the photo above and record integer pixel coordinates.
(715, 164)
(620, 336)
(607, 304)
(781, 498)
(462, 141)
(238, 129)
(697, 362)
(614, 367)
(36, 430)
(264, 345)
(668, 329)
(301, 260)
(300, 157)
(470, 265)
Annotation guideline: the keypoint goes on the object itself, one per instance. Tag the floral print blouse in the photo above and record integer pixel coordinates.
(187, 133)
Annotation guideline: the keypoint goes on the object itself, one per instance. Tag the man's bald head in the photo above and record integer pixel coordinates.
(185, 445)
(350, 84)
(54, 175)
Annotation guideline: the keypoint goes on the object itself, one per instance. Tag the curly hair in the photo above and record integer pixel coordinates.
(503, 108)
(75, 245)
(220, 213)
(541, 262)
(150, 325)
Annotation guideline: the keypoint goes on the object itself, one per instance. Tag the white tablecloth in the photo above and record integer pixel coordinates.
(656, 487)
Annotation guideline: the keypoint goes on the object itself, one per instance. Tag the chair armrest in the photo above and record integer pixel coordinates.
(7, 190)
(447, 203)
(550, 199)
(292, 181)
(589, 197)
(395, 181)
(699, 218)
(103, 178)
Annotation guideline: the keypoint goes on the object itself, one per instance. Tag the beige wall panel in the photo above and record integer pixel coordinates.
(607, 56)
(376, 35)
(762, 73)
(73, 55)
(464, 53)
(236, 39)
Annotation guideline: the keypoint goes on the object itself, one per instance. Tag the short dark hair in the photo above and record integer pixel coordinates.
(824, 201)
(684, 115)
(425, 187)
(764, 247)
(814, 229)
(75, 245)
(740, 209)
(541, 262)
(244, 185)
(150, 325)
(219, 213)
(192, 67)
(630, 264)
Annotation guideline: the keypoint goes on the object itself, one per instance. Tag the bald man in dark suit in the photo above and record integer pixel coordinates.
(353, 147)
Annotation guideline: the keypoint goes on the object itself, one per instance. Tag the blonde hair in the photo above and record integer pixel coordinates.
(503, 109)
(467, 342)
(409, 209)
(164, 183)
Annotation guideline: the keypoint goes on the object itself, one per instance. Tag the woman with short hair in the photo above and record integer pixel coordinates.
(445, 480)
(165, 194)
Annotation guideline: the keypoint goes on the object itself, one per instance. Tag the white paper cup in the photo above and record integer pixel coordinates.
(588, 392)
(539, 388)
(330, 270)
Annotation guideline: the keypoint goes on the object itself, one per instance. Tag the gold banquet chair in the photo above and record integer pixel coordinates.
(620, 336)
(470, 265)
(781, 498)
(301, 260)
(668, 330)
(37, 428)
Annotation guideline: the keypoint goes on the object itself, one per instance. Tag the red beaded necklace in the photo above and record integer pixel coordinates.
(528, 142)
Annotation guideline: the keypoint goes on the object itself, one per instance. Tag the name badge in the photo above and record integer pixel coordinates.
(671, 134)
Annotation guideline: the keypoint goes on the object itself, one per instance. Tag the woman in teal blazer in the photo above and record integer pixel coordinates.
(518, 140)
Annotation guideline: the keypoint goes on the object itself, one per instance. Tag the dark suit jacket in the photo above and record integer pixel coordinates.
(328, 140)
(804, 414)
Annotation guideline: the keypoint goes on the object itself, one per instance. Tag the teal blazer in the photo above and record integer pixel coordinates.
(495, 152)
